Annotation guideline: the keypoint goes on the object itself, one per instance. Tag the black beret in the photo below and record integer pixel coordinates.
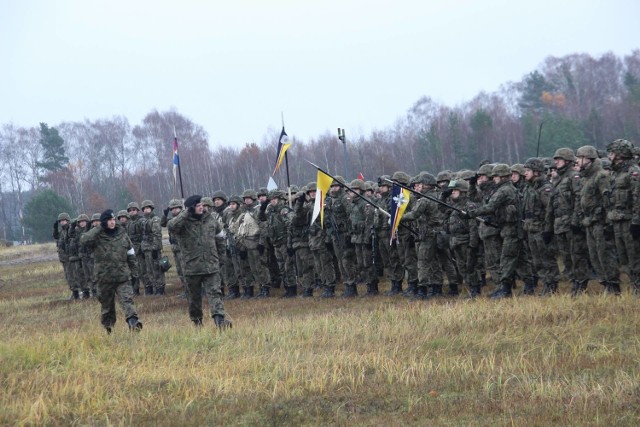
(106, 215)
(192, 201)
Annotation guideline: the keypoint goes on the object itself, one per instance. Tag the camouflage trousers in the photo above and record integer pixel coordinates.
(78, 277)
(390, 256)
(543, 257)
(602, 258)
(323, 266)
(408, 256)
(107, 292)
(465, 260)
(511, 249)
(87, 265)
(346, 256)
(230, 268)
(429, 269)
(142, 269)
(366, 268)
(177, 258)
(574, 254)
(259, 271)
(276, 270)
(211, 285)
(492, 251)
(524, 266)
(154, 275)
(447, 264)
(628, 251)
(286, 264)
(304, 264)
(66, 268)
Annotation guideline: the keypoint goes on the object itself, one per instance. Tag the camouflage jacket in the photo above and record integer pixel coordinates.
(463, 231)
(594, 195)
(134, 229)
(426, 215)
(625, 179)
(115, 260)
(504, 207)
(151, 233)
(562, 202)
(485, 191)
(276, 223)
(298, 228)
(317, 235)
(197, 240)
(175, 247)
(361, 218)
(86, 252)
(74, 242)
(535, 200)
(61, 235)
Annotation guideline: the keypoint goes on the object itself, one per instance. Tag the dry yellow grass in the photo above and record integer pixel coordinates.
(376, 361)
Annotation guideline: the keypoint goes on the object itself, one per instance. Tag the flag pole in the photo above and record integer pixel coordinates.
(286, 164)
(175, 135)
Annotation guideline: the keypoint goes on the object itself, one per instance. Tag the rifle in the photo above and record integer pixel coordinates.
(374, 245)
(231, 243)
(447, 205)
(333, 229)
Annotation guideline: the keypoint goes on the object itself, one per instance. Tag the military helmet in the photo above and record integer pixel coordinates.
(501, 169)
(219, 195)
(311, 187)
(426, 178)
(548, 163)
(133, 205)
(262, 191)
(444, 176)
(165, 264)
(534, 164)
(401, 177)
(337, 180)
(357, 184)
(148, 204)
(249, 193)
(459, 184)
(368, 186)
(606, 164)
(518, 167)
(95, 217)
(235, 199)
(175, 203)
(382, 180)
(120, 214)
(622, 147)
(64, 215)
(277, 194)
(565, 154)
(486, 169)
(466, 174)
(587, 151)
(83, 217)
(207, 201)
(294, 189)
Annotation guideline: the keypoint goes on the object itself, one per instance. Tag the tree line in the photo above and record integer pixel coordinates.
(88, 166)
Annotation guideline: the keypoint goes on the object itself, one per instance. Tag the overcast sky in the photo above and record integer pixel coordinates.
(234, 66)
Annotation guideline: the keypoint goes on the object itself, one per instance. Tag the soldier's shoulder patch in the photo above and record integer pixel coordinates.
(547, 190)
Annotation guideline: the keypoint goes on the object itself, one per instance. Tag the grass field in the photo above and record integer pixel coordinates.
(370, 361)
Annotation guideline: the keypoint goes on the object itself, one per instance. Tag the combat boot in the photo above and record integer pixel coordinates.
(248, 292)
(421, 293)
(234, 292)
(372, 289)
(612, 288)
(350, 291)
(159, 291)
(549, 288)
(530, 286)
(197, 322)
(290, 291)
(275, 283)
(94, 293)
(74, 295)
(504, 291)
(329, 292)
(134, 324)
(412, 288)
(221, 322)
(578, 287)
(86, 294)
(453, 290)
(474, 291)
(307, 293)
(396, 288)
(148, 290)
(435, 291)
(265, 292)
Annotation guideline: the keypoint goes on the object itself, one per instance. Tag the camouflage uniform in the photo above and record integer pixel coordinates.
(276, 229)
(625, 183)
(88, 259)
(75, 264)
(524, 267)
(61, 235)
(535, 201)
(135, 229)
(406, 241)
(298, 244)
(175, 247)
(115, 264)
(389, 253)
(361, 219)
(237, 272)
(505, 207)
(84, 274)
(591, 210)
(196, 235)
(489, 234)
(443, 250)
(151, 246)
(251, 245)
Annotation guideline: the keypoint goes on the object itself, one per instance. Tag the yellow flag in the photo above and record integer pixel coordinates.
(323, 183)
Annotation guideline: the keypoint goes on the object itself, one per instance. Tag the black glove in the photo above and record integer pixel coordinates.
(260, 248)
(242, 254)
(73, 226)
(263, 206)
(473, 180)
(291, 251)
(349, 244)
(575, 229)
(465, 215)
(55, 226)
(411, 242)
(166, 212)
(609, 234)
(329, 246)
(445, 194)
(301, 199)
(634, 229)
(547, 237)
(154, 254)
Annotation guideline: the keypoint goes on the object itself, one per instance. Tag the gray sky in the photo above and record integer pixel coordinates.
(234, 66)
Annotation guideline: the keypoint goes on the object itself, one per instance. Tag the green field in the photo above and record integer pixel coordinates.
(370, 361)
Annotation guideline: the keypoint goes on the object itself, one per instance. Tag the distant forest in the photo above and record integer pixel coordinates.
(88, 166)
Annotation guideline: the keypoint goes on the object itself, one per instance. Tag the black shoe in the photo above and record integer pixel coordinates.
(579, 287)
(148, 290)
(86, 294)
(159, 291)
(396, 288)
(612, 288)
(134, 324)
(307, 293)
(290, 292)
(265, 292)
(372, 290)
(221, 322)
(350, 291)
(329, 292)
(74, 295)
(530, 286)
(474, 291)
(421, 293)
(108, 329)
(234, 292)
(435, 291)
(453, 290)
(504, 291)
(197, 322)
(248, 292)
(412, 288)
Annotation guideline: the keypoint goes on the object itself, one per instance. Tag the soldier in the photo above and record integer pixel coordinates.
(75, 262)
(197, 231)
(489, 257)
(115, 264)
(503, 205)
(517, 177)
(625, 183)
(151, 246)
(123, 217)
(85, 260)
(134, 229)
(524, 267)
(338, 225)
(361, 219)
(236, 271)
(535, 201)
(389, 253)
(61, 235)
(443, 250)
(174, 209)
(407, 243)
(88, 259)
(269, 259)
(426, 215)
(298, 244)
(592, 207)
(464, 241)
